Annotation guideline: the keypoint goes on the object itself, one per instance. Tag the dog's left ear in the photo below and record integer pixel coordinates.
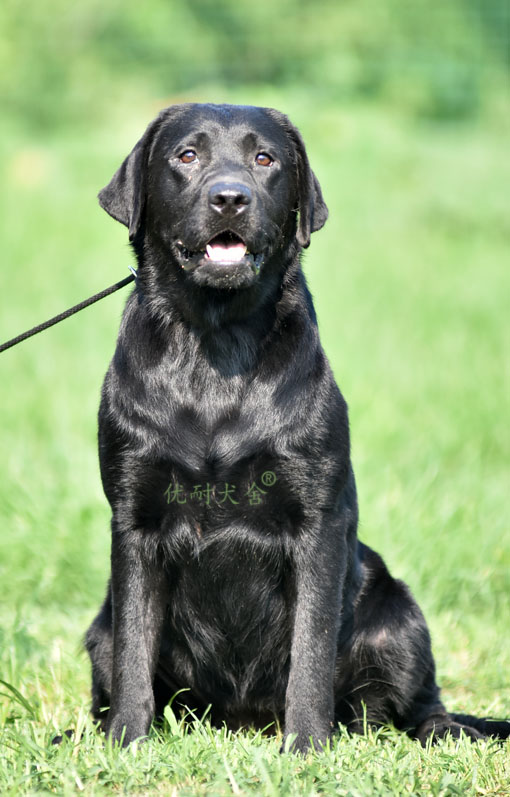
(313, 211)
(124, 196)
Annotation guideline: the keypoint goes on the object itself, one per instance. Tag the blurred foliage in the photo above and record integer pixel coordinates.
(62, 61)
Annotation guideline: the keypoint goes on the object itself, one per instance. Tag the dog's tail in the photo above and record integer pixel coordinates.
(485, 725)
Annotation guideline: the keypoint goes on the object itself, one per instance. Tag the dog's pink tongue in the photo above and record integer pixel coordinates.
(230, 253)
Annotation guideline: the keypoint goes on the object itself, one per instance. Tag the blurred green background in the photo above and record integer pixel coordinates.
(405, 110)
(72, 62)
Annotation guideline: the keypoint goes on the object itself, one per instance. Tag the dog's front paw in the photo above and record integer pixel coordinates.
(124, 730)
(302, 742)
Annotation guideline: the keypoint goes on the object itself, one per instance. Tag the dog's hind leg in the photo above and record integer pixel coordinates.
(99, 645)
(385, 667)
(385, 662)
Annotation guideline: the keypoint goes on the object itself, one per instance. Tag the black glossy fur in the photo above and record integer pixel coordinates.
(261, 610)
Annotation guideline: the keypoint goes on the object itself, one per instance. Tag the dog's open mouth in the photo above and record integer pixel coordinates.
(225, 249)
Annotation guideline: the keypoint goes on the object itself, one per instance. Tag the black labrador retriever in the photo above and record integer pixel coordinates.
(236, 572)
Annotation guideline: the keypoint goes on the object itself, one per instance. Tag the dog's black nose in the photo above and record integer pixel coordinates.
(229, 199)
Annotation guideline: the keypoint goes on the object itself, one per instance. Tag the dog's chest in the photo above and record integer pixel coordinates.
(208, 424)
(206, 444)
(206, 458)
(228, 620)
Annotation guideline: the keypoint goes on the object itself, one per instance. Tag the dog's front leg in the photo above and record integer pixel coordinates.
(138, 592)
(319, 574)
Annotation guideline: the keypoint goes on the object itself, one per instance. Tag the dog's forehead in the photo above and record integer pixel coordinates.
(228, 122)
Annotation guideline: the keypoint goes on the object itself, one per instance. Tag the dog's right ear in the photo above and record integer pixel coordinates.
(124, 196)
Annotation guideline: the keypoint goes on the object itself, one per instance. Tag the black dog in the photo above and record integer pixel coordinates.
(224, 447)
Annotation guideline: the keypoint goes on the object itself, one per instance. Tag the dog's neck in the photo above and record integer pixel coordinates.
(231, 328)
(171, 297)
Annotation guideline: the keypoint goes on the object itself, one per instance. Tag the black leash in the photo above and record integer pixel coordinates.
(71, 311)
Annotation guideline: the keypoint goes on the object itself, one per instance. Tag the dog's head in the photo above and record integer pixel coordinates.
(224, 192)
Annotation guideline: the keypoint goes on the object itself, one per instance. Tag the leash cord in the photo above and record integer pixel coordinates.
(71, 311)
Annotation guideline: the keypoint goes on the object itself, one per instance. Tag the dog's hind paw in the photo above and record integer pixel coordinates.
(438, 729)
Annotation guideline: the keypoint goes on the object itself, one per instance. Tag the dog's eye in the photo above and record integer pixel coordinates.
(189, 156)
(263, 159)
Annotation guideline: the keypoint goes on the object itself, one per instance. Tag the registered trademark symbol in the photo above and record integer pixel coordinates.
(268, 478)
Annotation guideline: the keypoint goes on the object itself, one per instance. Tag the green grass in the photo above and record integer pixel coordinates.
(411, 283)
